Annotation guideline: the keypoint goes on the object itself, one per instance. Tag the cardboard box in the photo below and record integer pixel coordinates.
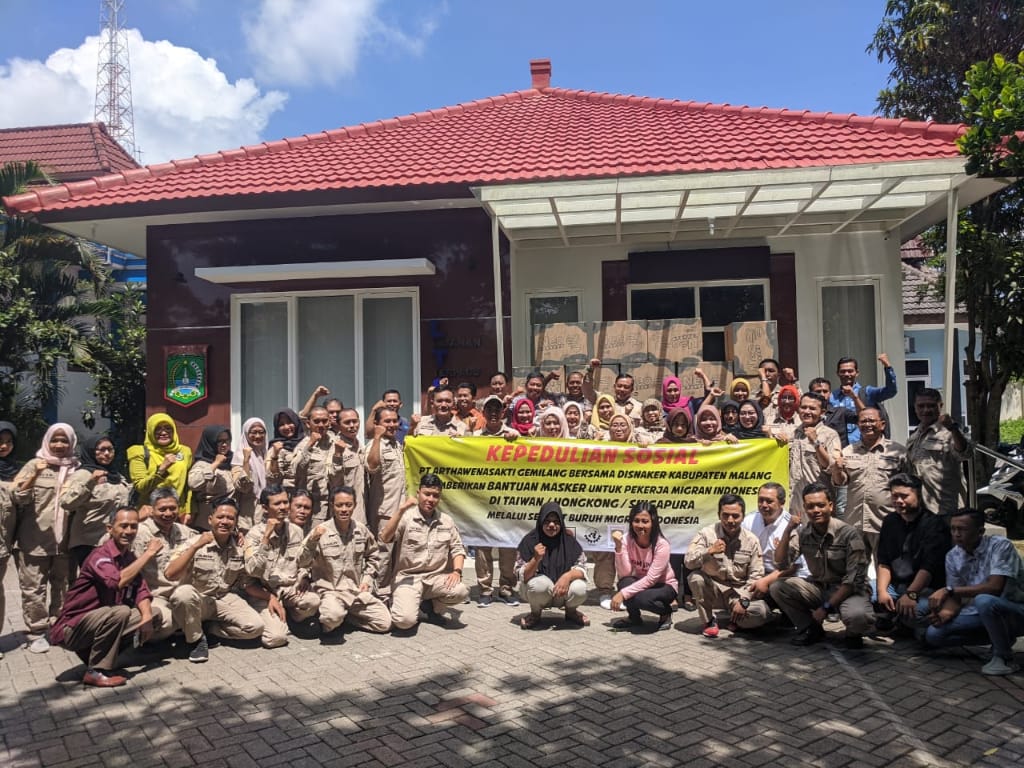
(747, 344)
(674, 341)
(692, 385)
(648, 377)
(620, 341)
(562, 344)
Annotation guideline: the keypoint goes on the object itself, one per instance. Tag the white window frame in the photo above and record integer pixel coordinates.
(850, 281)
(764, 283)
(297, 399)
(547, 293)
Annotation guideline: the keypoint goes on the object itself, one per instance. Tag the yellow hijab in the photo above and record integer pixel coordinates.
(595, 419)
(177, 473)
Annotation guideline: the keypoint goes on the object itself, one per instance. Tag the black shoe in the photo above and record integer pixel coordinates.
(199, 651)
(853, 642)
(307, 629)
(813, 634)
(430, 616)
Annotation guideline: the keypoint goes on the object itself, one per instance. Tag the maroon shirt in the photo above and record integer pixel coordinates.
(96, 587)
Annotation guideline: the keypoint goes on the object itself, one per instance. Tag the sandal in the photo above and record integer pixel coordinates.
(626, 623)
(529, 621)
(578, 618)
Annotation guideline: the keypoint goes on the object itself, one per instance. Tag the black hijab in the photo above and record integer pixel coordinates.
(8, 466)
(754, 432)
(207, 448)
(563, 551)
(300, 431)
(87, 458)
(730, 403)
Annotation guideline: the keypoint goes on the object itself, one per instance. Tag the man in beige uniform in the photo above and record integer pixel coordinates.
(935, 453)
(211, 569)
(493, 426)
(812, 450)
(343, 557)
(385, 463)
(443, 421)
(725, 561)
(316, 463)
(866, 467)
(280, 590)
(162, 524)
(428, 557)
(353, 460)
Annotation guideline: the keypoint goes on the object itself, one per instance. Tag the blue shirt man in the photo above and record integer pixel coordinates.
(869, 396)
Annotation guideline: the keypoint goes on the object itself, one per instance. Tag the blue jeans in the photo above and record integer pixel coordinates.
(998, 622)
(921, 616)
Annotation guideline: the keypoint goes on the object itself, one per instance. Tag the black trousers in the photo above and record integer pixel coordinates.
(657, 599)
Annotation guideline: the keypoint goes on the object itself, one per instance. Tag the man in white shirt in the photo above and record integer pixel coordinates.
(768, 523)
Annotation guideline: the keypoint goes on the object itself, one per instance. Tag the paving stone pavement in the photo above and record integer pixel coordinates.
(483, 692)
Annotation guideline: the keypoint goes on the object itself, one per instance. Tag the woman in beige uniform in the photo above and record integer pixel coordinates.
(41, 547)
(249, 472)
(9, 468)
(210, 480)
(95, 491)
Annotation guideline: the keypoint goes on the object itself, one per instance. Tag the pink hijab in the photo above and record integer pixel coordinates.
(65, 467)
(680, 402)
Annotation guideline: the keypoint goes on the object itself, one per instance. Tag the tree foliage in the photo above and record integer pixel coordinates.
(930, 45)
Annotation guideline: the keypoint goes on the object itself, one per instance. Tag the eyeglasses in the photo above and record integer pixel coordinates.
(223, 441)
(257, 432)
(104, 449)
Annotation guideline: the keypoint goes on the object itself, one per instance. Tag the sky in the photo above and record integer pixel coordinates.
(217, 74)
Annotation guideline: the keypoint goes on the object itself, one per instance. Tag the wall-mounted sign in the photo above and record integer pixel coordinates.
(185, 374)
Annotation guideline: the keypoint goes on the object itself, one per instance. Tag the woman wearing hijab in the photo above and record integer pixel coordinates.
(679, 427)
(553, 423)
(161, 461)
(604, 409)
(750, 421)
(8, 469)
(552, 569)
(40, 539)
(578, 428)
(672, 396)
(620, 429)
(210, 477)
(95, 491)
(730, 411)
(652, 423)
(647, 581)
(249, 472)
(288, 433)
(707, 426)
(739, 390)
(522, 415)
(782, 420)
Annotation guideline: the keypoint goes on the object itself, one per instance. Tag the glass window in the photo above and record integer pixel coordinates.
(326, 346)
(714, 345)
(848, 328)
(546, 309)
(724, 304)
(264, 358)
(388, 356)
(662, 303)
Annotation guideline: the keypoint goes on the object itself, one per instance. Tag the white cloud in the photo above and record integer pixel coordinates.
(183, 103)
(305, 42)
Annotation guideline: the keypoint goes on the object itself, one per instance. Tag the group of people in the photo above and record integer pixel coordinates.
(305, 526)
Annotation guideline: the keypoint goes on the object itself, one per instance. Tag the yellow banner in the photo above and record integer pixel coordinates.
(494, 488)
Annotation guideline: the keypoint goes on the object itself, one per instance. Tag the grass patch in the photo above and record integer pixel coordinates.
(1011, 431)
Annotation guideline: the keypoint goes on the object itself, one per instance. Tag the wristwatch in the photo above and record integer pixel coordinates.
(912, 595)
(744, 603)
(951, 592)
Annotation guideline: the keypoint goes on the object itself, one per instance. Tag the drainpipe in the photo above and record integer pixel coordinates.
(951, 377)
(499, 326)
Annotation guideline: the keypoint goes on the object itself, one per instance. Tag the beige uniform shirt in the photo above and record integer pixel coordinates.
(804, 468)
(387, 484)
(277, 472)
(90, 504)
(428, 426)
(317, 468)
(868, 472)
(215, 571)
(631, 407)
(932, 456)
(153, 572)
(739, 566)
(341, 561)
(7, 520)
(274, 564)
(353, 473)
(833, 558)
(208, 485)
(425, 547)
(249, 510)
(35, 533)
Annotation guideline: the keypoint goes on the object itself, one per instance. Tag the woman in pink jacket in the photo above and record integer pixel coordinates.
(646, 580)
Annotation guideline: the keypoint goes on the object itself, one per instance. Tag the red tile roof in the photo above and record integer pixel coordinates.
(537, 134)
(66, 152)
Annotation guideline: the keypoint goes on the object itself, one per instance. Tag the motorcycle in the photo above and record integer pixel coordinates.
(1002, 500)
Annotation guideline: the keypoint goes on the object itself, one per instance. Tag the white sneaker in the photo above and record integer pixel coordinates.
(999, 666)
(606, 602)
(42, 645)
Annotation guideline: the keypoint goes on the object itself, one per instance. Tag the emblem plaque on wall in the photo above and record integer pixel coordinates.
(185, 374)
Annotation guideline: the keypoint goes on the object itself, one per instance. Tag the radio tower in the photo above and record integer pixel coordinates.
(113, 77)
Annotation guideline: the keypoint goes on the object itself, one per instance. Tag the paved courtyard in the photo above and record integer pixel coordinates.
(483, 692)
